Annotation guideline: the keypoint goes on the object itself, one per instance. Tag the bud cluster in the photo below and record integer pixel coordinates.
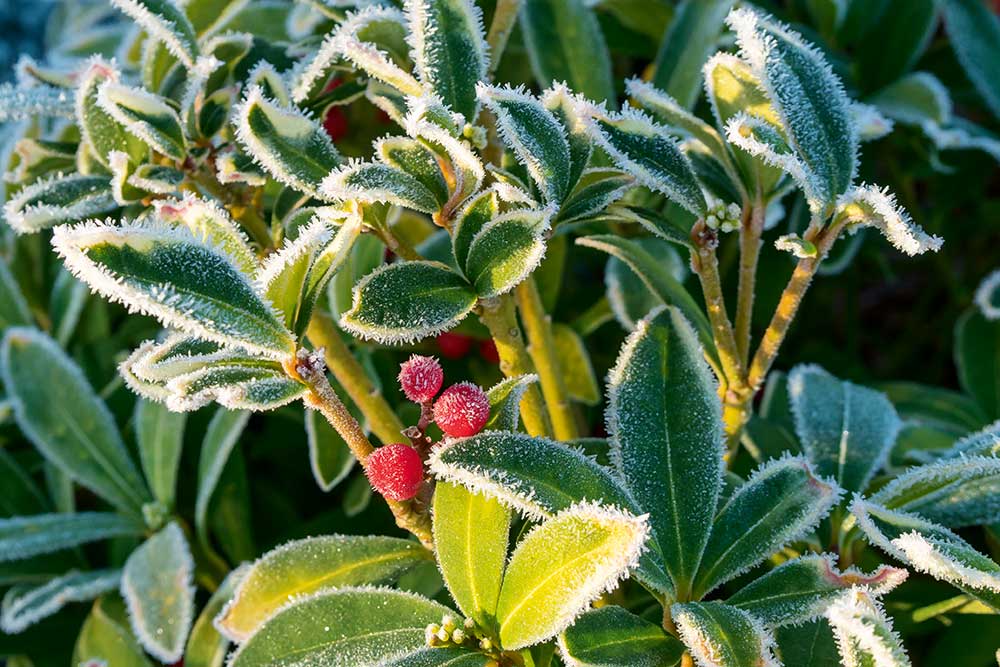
(723, 217)
(448, 634)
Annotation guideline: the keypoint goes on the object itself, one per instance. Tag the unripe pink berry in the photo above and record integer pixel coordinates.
(421, 378)
(462, 410)
(396, 471)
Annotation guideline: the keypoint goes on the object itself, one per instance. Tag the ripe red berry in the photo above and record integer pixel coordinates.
(421, 378)
(454, 345)
(335, 123)
(462, 410)
(488, 351)
(396, 471)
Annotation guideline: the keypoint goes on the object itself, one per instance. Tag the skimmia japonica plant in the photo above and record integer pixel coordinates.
(291, 198)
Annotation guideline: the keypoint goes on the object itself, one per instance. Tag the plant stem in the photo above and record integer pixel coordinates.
(706, 264)
(502, 25)
(542, 349)
(498, 316)
(323, 333)
(750, 230)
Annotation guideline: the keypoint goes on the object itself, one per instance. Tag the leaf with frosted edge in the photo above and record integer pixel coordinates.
(373, 182)
(766, 142)
(206, 646)
(102, 132)
(803, 588)
(809, 99)
(646, 150)
(613, 637)
(962, 135)
(407, 301)
(691, 37)
(58, 199)
(475, 214)
(628, 297)
(158, 588)
(210, 223)
(869, 206)
(180, 354)
(563, 565)
(160, 436)
(293, 148)
(565, 106)
(667, 228)
(157, 179)
(574, 362)
(665, 427)
(23, 606)
(330, 458)
(19, 103)
(372, 625)
(325, 265)
(26, 536)
(166, 272)
(282, 276)
(720, 635)
(597, 189)
(428, 121)
(985, 442)
(237, 387)
(166, 22)
(441, 657)
(413, 158)
(781, 502)
(59, 411)
(974, 32)
(505, 401)
(471, 531)
(532, 132)
(450, 54)
(914, 99)
(846, 430)
(303, 567)
(506, 250)
(864, 633)
(221, 436)
(146, 116)
(929, 548)
(869, 121)
(988, 296)
(105, 638)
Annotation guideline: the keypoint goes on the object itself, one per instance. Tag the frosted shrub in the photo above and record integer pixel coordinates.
(210, 165)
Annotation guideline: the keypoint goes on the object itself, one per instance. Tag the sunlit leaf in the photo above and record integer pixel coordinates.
(505, 251)
(864, 633)
(210, 223)
(868, 206)
(146, 116)
(612, 637)
(719, 635)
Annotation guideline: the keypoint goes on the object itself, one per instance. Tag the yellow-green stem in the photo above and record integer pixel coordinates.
(750, 230)
(542, 349)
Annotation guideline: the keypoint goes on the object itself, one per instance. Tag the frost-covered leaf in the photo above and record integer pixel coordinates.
(238, 167)
(985, 442)
(864, 633)
(809, 99)
(373, 182)
(209, 222)
(26, 536)
(566, 106)
(574, 363)
(18, 103)
(506, 250)
(413, 158)
(669, 111)
(868, 206)
(408, 301)
(165, 22)
(293, 148)
(102, 132)
(629, 298)
(23, 606)
(914, 99)
(505, 401)
(58, 410)
(988, 296)
(179, 354)
(803, 588)
(450, 54)
(597, 189)
(665, 428)
(846, 430)
(105, 638)
(168, 273)
(565, 44)
(765, 142)
(719, 635)
(146, 116)
(221, 436)
(160, 435)
(690, 38)
(474, 215)
(471, 531)
(974, 31)
(870, 122)
(206, 646)
(430, 122)
(361, 627)
(532, 132)
(613, 637)
(329, 456)
(797, 246)
(809, 643)
(440, 657)
(303, 567)
(561, 566)
(158, 588)
(960, 492)
(780, 502)
(647, 151)
(242, 386)
(58, 199)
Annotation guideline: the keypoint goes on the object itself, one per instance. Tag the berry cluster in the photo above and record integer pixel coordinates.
(397, 470)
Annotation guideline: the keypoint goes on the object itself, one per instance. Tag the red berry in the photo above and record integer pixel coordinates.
(421, 378)
(396, 471)
(335, 123)
(462, 410)
(454, 345)
(488, 351)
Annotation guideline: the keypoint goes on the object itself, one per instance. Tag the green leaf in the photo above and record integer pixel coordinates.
(376, 183)
(868, 206)
(21, 495)
(977, 356)
(23, 606)
(973, 31)
(441, 657)
(59, 199)
(574, 363)
(291, 147)
(146, 116)
(565, 106)
(167, 273)
(689, 41)
(811, 643)
(361, 627)
(210, 223)
(166, 22)
(665, 428)
(206, 646)
(505, 402)
(780, 503)
(412, 157)
(13, 307)
(846, 430)
(597, 189)
(565, 43)
(475, 215)
(803, 588)
(303, 567)
(58, 410)
(102, 132)
(506, 250)
(450, 54)
(563, 565)
(222, 434)
(330, 458)
(895, 37)
(160, 436)
(914, 99)
(612, 637)
(26, 536)
(985, 442)
(106, 639)
(864, 633)
(718, 635)
(426, 299)
(470, 539)
(628, 296)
